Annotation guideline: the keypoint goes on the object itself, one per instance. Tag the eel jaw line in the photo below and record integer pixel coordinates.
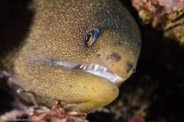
(94, 69)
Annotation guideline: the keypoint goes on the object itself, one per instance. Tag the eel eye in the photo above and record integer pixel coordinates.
(91, 36)
(114, 56)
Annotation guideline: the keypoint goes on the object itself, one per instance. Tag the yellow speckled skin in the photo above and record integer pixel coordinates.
(57, 33)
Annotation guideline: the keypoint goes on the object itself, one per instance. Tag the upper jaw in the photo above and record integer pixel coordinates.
(92, 68)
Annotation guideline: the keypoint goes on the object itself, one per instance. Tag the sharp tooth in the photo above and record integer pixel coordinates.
(84, 67)
(81, 66)
(90, 66)
(105, 69)
(96, 67)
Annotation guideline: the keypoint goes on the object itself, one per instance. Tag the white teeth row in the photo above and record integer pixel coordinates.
(98, 70)
(94, 67)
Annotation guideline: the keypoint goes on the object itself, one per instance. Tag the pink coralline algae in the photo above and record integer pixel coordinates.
(172, 5)
(153, 6)
(157, 11)
(163, 14)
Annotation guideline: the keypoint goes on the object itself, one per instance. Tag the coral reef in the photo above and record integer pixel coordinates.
(166, 15)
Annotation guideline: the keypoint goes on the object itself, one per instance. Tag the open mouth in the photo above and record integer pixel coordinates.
(94, 69)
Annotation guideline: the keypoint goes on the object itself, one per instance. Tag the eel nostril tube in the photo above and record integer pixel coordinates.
(133, 70)
(130, 67)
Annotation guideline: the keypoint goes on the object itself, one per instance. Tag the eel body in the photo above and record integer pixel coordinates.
(77, 52)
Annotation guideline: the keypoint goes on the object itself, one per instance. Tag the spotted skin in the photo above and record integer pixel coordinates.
(57, 33)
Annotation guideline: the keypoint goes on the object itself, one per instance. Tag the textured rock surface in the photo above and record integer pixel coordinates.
(166, 15)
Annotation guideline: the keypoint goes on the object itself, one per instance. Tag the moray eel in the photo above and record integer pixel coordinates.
(77, 52)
